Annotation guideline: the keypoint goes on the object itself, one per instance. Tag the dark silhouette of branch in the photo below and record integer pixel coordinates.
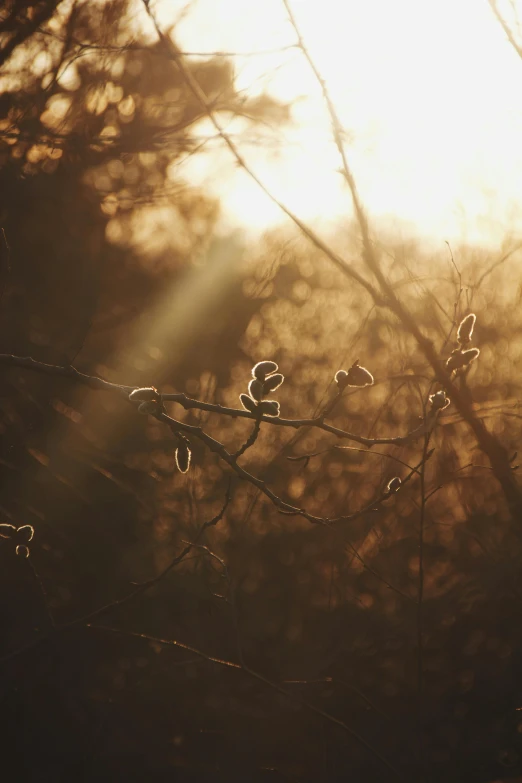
(379, 576)
(22, 32)
(175, 54)
(266, 681)
(307, 457)
(134, 47)
(250, 440)
(141, 588)
(349, 686)
(99, 384)
(214, 445)
(489, 444)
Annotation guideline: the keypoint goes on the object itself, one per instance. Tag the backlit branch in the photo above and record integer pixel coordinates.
(260, 678)
(382, 295)
(188, 403)
(152, 402)
(176, 55)
(489, 444)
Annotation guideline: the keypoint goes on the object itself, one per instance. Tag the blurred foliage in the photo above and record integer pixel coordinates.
(114, 265)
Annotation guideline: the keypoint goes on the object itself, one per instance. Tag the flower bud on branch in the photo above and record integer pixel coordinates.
(248, 403)
(272, 383)
(393, 485)
(19, 535)
(439, 401)
(465, 329)
(460, 358)
(262, 369)
(183, 456)
(356, 376)
(148, 408)
(261, 384)
(269, 408)
(255, 389)
(145, 394)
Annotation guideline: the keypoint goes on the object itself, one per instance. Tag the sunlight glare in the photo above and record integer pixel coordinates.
(432, 123)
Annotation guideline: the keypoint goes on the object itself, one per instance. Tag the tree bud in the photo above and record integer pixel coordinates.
(439, 401)
(341, 379)
(147, 408)
(145, 394)
(269, 408)
(25, 533)
(460, 358)
(255, 389)
(393, 484)
(465, 329)
(262, 369)
(248, 403)
(359, 376)
(272, 383)
(183, 455)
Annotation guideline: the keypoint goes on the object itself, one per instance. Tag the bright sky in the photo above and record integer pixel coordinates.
(429, 92)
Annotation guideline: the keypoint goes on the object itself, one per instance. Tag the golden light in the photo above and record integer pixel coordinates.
(427, 91)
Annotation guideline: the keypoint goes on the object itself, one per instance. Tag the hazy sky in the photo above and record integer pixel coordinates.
(430, 94)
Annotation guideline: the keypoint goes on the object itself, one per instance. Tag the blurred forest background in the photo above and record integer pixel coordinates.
(112, 263)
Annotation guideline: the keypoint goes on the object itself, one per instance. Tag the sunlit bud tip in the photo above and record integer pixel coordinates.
(394, 484)
(273, 382)
(465, 329)
(144, 394)
(359, 376)
(183, 455)
(269, 408)
(262, 369)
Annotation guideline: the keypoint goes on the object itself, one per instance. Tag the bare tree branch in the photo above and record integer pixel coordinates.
(507, 30)
(176, 56)
(489, 444)
(261, 678)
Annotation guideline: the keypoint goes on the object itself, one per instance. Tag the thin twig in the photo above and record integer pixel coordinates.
(188, 403)
(250, 440)
(176, 56)
(349, 686)
(507, 30)
(143, 586)
(488, 442)
(260, 678)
